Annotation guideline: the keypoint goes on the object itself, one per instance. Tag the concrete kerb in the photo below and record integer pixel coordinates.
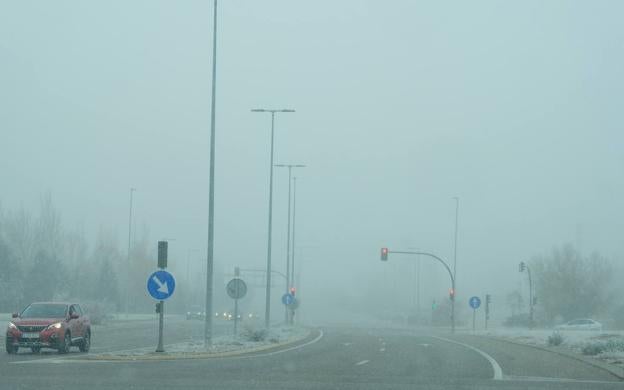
(124, 356)
(615, 371)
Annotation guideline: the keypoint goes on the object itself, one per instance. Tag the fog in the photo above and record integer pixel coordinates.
(400, 107)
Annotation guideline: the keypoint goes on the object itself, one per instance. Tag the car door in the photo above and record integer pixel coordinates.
(74, 323)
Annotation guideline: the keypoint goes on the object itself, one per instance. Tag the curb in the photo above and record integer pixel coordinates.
(154, 356)
(618, 373)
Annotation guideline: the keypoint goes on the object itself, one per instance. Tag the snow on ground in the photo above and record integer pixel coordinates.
(607, 346)
(247, 340)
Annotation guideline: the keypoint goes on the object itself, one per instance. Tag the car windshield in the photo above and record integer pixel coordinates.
(310, 195)
(45, 310)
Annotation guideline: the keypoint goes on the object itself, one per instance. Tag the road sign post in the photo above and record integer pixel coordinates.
(160, 285)
(474, 302)
(236, 289)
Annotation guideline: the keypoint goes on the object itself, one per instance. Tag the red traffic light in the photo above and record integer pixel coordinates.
(384, 254)
(293, 291)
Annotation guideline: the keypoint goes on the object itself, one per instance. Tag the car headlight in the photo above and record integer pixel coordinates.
(12, 326)
(57, 325)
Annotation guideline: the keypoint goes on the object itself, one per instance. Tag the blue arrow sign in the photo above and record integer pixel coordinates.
(288, 299)
(160, 285)
(475, 302)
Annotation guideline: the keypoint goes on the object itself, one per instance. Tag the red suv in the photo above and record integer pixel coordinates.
(55, 325)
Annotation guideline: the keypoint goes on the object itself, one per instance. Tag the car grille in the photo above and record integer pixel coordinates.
(34, 328)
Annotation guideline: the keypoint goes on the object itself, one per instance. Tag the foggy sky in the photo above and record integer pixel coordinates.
(401, 105)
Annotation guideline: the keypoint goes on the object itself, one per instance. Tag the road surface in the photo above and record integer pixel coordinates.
(343, 358)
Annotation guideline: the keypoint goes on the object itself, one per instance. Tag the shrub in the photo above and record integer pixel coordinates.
(555, 339)
(593, 349)
(255, 335)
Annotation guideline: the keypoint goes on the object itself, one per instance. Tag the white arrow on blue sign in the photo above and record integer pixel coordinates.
(475, 302)
(161, 285)
(288, 299)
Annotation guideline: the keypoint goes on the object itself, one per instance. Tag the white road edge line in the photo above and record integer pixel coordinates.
(362, 362)
(316, 339)
(498, 371)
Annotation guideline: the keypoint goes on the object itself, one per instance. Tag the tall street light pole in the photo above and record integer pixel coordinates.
(129, 250)
(292, 268)
(289, 281)
(455, 251)
(267, 312)
(210, 249)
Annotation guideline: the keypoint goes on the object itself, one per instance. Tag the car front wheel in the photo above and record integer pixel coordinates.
(85, 344)
(10, 348)
(65, 344)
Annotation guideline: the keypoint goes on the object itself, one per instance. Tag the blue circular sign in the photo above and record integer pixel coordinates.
(160, 285)
(475, 302)
(288, 299)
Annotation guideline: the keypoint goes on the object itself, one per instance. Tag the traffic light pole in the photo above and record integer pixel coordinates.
(448, 269)
(524, 266)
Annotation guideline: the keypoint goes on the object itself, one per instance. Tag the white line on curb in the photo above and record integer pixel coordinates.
(498, 371)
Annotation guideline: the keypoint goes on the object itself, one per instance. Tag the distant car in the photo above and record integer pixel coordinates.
(581, 324)
(55, 325)
(195, 313)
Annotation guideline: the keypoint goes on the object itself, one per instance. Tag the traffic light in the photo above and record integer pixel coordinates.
(434, 305)
(488, 300)
(522, 266)
(158, 307)
(452, 294)
(293, 291)
(384, 254)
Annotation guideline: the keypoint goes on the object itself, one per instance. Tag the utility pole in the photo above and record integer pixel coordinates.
(267, 311)
(129, 252)
(384, 257)
(210, 249)
(289, 279)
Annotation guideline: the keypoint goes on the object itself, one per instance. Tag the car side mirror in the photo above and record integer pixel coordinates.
(15, 315)
(73, 316)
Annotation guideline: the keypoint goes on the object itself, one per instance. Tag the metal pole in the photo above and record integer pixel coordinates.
(474, 318)
(267, 311)
(530, 297)
(292, 268)
(210, 249)
(288, 279)
(129, 250)
(455, 251)
(448, 269)
(161, 316)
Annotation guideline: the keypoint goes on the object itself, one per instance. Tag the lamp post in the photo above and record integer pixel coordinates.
(267, 312)
(289, 279)
(129, 250)
(210, 246)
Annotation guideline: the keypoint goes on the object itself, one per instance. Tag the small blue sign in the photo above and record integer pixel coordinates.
(475, 302)
(161, 285)
(288, 299)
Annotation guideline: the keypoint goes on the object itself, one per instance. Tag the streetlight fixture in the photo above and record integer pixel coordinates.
(267, 313)
(289, 280)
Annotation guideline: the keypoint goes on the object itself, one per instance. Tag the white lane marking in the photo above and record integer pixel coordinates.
(546, 379)
(382, 350)
(362, 362)
(317, 338)
(346, 344)
(424, 345)
(498, 371)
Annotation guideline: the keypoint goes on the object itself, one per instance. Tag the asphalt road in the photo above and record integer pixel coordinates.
(344, 358)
